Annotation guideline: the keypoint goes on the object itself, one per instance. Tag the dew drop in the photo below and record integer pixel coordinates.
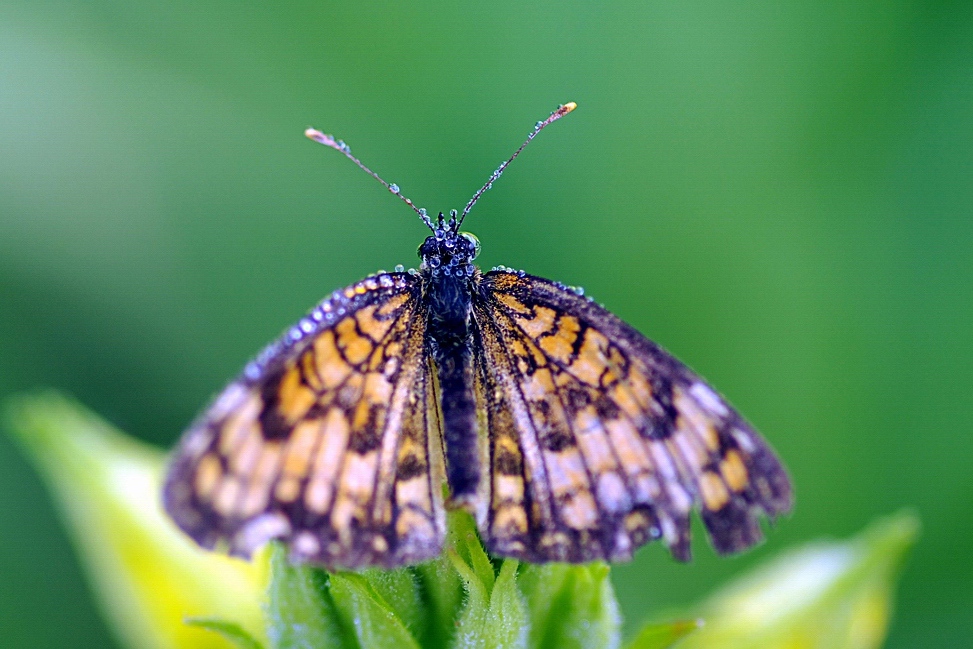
(399, 268)
(394, 188)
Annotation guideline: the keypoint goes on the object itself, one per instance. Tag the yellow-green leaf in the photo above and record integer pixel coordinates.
(147, 575)
(663, 635)
(826, 595)
(232, 631)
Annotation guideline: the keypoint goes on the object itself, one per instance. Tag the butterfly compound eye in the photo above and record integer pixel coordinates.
(428, 247)
(469, 236)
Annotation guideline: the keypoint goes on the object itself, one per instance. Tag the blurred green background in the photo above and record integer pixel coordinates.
(779, 193)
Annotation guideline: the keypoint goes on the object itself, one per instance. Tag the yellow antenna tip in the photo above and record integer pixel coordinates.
(568, 107)
(314, 134)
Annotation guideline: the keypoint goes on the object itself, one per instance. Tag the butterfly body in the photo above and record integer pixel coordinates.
(449, 281)
(565, 432)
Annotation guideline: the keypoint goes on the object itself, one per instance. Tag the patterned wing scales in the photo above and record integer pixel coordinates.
(601, 441)
(329, 441)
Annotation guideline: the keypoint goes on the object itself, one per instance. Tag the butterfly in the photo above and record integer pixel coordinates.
(566, 433)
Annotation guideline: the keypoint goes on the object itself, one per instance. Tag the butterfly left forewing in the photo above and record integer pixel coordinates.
(326, 442)
(618, 440)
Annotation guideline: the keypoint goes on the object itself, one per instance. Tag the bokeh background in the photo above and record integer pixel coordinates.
(779, 193)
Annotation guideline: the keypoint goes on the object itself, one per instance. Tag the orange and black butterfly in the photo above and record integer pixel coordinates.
(567, 434)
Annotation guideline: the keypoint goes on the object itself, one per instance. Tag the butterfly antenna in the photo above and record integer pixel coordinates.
(538, 127)
(338, 145)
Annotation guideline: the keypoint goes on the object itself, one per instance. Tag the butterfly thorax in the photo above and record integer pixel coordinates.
(449, 277)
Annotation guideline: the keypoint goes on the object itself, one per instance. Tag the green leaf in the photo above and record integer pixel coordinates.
(367, 616)
(300, 613)
(229, 630)
(400, 590)
(493, 612)
(147, 575)
(507, 619)
(442, 589)
(471, 623)
(663, 635)
(464, 538)
(496, 620)
(826, 595)
(571, 606)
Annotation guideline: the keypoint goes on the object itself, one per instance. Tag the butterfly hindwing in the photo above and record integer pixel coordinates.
(328, 441)
(600, 440)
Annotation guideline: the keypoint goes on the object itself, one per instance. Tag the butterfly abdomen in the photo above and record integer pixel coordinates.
(448, 302)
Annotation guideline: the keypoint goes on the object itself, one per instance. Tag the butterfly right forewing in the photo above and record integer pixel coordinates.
(615, 439)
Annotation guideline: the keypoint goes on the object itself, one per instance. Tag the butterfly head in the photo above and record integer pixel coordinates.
(449, 251)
